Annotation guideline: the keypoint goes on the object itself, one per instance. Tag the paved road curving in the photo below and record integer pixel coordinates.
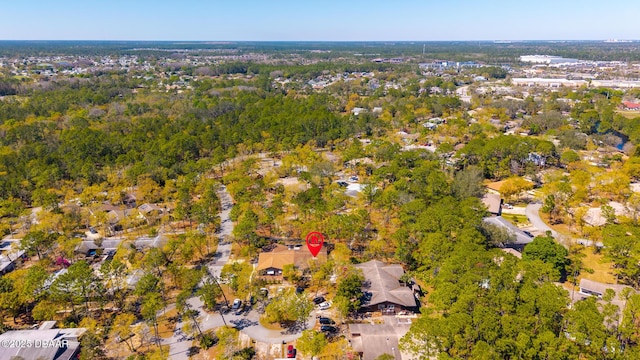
(533, 214)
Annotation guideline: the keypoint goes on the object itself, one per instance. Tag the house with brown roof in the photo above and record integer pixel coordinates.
(271, 263)
(383, 290)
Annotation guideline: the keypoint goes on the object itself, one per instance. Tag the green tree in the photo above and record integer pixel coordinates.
(77, 285)
(121, 328)
(151, 305)
(585, 324)
(311, 343)
(91, 347)
(291, 273)
(385, 356)
(349, 291)
(37, 242)
(290, 308)
(548, 251)
(468, 183)
(209, 293)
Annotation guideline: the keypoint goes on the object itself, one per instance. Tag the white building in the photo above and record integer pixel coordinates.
(547, 59)
(548, 82)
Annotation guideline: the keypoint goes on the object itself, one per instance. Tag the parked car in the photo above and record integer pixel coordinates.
(318, 300)
(291, 351)
(264, 292)
(328, 328)
(324, 306)
(240, 310)
(237, 303)
(507, 206)
(326, 321)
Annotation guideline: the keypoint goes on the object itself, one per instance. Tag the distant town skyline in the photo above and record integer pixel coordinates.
(328, 20)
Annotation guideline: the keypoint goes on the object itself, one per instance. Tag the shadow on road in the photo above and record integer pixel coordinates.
(243, 323)
(297, 327)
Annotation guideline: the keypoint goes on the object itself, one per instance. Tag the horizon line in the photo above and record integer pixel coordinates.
(404, 41)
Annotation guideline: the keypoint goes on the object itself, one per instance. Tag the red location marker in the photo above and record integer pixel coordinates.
(314, 242)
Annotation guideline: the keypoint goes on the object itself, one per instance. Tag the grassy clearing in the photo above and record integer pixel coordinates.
(602, 270)
(270, 326)
(629, 114)
(517, 219)
(560, 228)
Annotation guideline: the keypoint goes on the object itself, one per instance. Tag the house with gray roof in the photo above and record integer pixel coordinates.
(383, 290)
(44, 343)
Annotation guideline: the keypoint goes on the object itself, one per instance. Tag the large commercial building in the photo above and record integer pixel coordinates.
(548, 82)
(547, 59)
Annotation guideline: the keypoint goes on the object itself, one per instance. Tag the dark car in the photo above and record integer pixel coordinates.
(528, 234)
(328, 328)
(326, 321)
(291, 352)
(318, 300)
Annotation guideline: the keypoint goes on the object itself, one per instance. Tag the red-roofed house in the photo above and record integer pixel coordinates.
(628, 105)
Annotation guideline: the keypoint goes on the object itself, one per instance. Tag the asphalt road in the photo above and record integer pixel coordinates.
(533, 213)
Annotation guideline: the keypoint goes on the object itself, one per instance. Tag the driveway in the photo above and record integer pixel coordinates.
(533, 213)
(521, 239)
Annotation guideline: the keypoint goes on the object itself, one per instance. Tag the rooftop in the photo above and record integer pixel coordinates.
(283, 255)
(383, 283)
(43, 344)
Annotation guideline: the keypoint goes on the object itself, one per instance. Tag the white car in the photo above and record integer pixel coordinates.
(236, 304)
(324, 306)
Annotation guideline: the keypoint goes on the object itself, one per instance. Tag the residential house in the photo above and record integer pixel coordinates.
(110, 246)
(272, 262)
(150, 211)
(628, 105)
(373, 340)
(383, 290)
(493, 202)
(44, 343)
(10, 254)
(598, 289)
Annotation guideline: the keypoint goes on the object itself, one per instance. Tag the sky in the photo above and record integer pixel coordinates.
(319, 20)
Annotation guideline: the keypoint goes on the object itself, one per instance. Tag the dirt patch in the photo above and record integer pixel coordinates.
(269, 351)
(166, 324)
